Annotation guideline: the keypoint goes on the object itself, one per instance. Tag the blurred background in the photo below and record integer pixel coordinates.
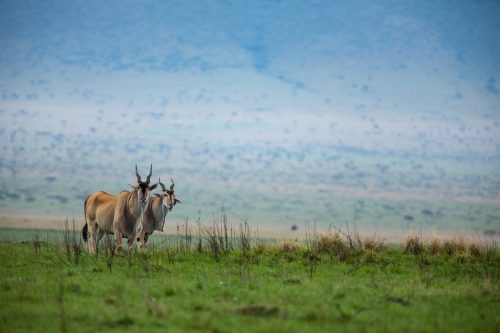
(384, 114)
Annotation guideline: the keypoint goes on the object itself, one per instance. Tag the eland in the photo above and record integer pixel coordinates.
(156, 212)
(116, 214)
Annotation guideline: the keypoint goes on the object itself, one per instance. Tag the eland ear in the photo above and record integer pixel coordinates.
(158, 195)
(177, 201)
(152, 187)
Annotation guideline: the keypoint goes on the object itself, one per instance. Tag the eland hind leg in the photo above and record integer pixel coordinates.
(91, 237)
(98, 236)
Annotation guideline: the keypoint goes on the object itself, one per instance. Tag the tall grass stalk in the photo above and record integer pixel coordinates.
(312, 244)
(245, 239)
(72, 243)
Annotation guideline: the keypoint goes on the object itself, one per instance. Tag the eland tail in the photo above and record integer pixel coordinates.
(85, 227)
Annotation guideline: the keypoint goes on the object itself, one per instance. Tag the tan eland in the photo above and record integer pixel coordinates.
(156, 212)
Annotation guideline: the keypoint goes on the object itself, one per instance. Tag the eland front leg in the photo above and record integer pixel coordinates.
(135, 236)
(118, 239)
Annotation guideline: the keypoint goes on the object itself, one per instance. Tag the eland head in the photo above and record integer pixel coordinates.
(168, 196)
(143, 188)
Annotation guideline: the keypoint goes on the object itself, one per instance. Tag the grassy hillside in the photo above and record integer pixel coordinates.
(186, 284)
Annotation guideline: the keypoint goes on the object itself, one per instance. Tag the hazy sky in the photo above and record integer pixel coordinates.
(402, 56)
(294, 96)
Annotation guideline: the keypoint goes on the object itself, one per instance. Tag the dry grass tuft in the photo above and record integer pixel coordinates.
(462, 247)
(334, 244)
(262, 247)
(434, 246)
(414, 244)
(289, 246)
(371, 243)
(475, 250)
(465, 249)
(455, 245)
(330, 243)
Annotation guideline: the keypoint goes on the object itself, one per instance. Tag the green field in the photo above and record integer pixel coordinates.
(321, 284)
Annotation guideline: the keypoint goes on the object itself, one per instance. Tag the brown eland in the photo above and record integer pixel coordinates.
(156, 212)
(116, 214)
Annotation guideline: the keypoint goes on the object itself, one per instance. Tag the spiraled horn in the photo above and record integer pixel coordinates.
(164, 189)
(150, 173)
(172, 186)
(137, 174)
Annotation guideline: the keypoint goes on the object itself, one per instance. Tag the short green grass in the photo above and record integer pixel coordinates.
(273, 288)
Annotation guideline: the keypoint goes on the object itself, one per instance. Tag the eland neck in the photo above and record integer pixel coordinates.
(133, 204)
(159, 213)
